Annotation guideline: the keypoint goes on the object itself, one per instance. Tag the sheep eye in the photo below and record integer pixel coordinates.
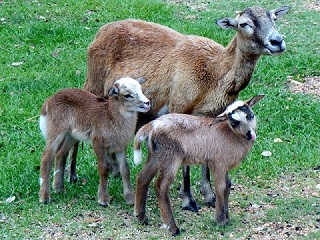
(128, 96)
(243, 25)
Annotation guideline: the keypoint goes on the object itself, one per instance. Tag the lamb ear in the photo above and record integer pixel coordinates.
(222, 117)
(114, 91)
(141, 80)
(226, 23)
(252, 101)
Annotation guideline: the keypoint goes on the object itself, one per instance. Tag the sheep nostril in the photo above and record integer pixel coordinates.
(276, 40)
(248, 135)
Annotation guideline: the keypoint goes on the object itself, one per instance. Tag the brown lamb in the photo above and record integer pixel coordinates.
(73, 115)
(178, 139)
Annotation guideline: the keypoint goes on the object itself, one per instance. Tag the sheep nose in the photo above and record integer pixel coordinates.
(276, 40)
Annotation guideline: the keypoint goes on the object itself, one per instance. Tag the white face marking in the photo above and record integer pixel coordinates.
(234, 106)
(134, 86)
(240, 116)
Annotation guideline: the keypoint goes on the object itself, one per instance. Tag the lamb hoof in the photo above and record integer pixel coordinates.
(222, 222)
(44, 200)
(143, 220)
(176, 232)
(104, 205)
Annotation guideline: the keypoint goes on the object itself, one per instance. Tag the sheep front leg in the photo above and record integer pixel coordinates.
(142, 184)
(226, 195)
(125, 175)
(205, 187)
(188, 202)
(222, 194)
(45, 170)
(103, 169)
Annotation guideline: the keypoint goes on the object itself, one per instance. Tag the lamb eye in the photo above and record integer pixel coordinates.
(128, 96)
(234, 123)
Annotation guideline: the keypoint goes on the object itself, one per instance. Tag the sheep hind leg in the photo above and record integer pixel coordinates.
(143, 180)
(61, 158)
(162, 188)
(45, 169)
(73, 177)
(188, 202)
(205, 187)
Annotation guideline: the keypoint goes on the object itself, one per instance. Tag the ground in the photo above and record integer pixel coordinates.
(310, 85)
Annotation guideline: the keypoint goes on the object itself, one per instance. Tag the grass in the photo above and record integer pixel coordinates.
(43, 49)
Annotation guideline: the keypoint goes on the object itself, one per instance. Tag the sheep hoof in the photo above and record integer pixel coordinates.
(104, 205)
(129, 198)
(176, 232)
(222, 222)
(211, 203)
(191, 208)
(190, 205)
(73, 178)
(44, 200)
(143, 220)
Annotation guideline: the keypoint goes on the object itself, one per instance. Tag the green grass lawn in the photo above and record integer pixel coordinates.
(43, 48)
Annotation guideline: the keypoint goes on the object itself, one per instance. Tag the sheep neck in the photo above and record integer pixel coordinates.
(240, 70)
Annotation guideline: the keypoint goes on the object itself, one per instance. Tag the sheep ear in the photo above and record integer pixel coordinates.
(141, 80)
(114, 91)
(252, 101)
(226, 23)
(222, 117)
(279, 12)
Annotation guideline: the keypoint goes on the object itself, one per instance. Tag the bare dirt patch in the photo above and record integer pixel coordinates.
(309, 85)
(313, 5)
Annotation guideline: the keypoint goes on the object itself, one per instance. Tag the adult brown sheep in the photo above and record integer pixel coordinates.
(185, 74)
